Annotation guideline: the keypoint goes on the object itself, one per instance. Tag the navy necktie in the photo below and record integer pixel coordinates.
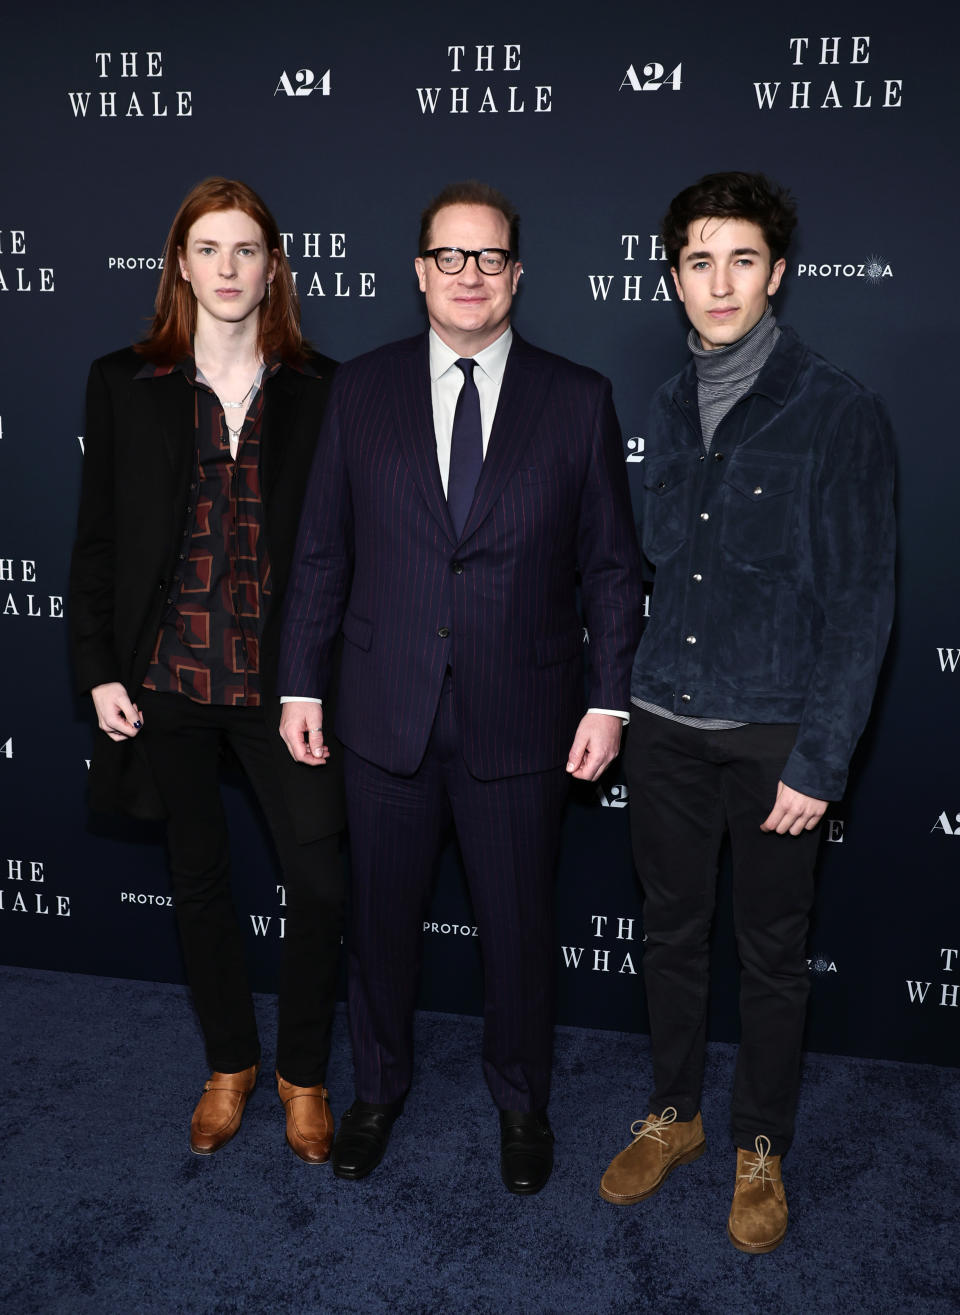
(466, 449)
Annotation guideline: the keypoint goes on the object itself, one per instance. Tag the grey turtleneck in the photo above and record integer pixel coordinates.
(724, 375)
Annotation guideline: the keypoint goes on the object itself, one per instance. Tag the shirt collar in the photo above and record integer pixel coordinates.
(492, 360)
(151, 370)
(187, 366)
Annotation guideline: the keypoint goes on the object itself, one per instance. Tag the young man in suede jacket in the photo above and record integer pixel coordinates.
(767, 515)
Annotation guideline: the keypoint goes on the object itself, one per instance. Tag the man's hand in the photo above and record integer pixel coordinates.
(595, 745)
(794, 812)
(301, 729)
(116, 715)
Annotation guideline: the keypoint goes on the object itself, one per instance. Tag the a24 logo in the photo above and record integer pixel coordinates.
(653, 78)
(303, 83)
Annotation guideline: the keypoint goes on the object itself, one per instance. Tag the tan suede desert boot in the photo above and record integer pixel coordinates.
(659, 1144)
(758, 1216)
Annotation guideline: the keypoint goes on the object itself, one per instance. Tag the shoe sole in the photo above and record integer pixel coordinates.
(351, 1176)
(525, 1191)
(308, 1159)
(688, 1157)
(756, 1250)
(212, 1150)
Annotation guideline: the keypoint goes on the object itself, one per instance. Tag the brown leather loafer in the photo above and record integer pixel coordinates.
(220, 1109)
(660, 1143)
(758, 1216)
(309, 1120)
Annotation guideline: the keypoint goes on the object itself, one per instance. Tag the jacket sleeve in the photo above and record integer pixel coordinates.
(853, 550)
(322, 565)
(609, 562)
(93, 564)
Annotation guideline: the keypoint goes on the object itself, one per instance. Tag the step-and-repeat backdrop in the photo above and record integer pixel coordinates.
(590, 117)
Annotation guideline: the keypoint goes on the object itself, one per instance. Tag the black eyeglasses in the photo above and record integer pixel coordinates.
(451, 260)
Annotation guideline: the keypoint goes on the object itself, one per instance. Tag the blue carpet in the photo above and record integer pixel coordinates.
(105, 1210)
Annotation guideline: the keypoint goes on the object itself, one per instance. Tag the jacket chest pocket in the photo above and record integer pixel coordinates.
(760, 503)
(667, 492)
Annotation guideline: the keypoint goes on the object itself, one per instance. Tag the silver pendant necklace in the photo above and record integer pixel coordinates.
(238, 406)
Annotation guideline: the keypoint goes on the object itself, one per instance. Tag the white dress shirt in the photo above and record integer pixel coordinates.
(446, 380)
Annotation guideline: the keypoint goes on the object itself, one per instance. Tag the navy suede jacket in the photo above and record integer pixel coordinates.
(773, 558)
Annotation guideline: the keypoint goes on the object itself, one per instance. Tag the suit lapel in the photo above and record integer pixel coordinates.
(523, 392)
(413, 410)
(168, 407)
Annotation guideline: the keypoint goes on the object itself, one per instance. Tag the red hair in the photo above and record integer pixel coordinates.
(175, 309)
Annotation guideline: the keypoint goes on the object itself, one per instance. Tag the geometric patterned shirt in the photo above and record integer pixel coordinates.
(208, 644)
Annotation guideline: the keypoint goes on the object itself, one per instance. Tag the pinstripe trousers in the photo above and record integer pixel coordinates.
(508, 832)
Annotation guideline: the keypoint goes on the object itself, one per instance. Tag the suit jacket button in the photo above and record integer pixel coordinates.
(444, 632)
(456, 568)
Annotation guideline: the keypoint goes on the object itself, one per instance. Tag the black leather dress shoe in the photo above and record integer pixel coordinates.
(526, 1150)
(362, 1138)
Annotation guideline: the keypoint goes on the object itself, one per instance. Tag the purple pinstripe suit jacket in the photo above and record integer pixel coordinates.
(377, 558)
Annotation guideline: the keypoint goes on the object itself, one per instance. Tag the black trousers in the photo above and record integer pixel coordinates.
(687, 787)
(184, 742)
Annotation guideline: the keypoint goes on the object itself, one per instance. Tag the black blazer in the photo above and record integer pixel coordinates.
(139, 460)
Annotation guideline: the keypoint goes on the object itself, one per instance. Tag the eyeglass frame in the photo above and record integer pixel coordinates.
(452, 273)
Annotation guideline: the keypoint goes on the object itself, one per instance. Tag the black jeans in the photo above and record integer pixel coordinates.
(687, 787)
(184, 742)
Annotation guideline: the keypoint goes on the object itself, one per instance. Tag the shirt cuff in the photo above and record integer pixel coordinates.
(298, 698)
(610, 712)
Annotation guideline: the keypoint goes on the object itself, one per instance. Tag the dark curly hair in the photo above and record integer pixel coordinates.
(732, 196)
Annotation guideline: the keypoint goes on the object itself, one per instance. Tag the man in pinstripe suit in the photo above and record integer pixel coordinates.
(464, 481)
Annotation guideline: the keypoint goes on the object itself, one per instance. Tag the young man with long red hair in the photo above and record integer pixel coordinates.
(198, 444)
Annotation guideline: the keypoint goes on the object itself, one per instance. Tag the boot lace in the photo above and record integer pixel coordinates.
(760, 1168)
(654, 1125)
